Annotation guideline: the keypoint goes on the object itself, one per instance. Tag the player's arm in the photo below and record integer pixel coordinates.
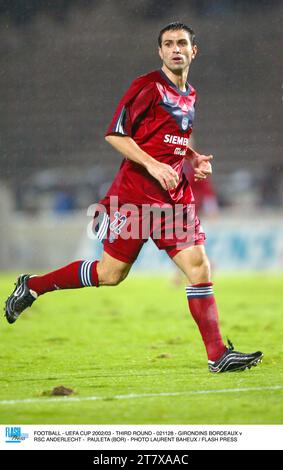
(201, 164)
(165, 174)
(134, 104)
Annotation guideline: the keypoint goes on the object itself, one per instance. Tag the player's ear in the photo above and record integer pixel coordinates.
(195, 51)
(160, 53)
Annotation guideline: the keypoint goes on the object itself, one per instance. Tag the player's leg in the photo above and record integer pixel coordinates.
(109, 271)
(195, 265)
(112, 271)
(193, 262)
(119, 255)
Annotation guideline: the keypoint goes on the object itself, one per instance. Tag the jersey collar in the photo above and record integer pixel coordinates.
(183, 93)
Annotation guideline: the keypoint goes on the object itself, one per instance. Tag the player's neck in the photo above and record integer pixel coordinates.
(179, 80)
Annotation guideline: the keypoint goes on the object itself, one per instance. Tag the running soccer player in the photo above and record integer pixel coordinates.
(151, 129)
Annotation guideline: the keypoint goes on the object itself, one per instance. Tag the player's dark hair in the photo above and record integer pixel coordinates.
(176, 26)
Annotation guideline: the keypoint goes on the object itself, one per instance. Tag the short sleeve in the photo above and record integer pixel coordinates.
(131, 110)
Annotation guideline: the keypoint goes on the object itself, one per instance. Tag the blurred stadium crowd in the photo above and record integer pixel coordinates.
(65, 64)
(23, 11)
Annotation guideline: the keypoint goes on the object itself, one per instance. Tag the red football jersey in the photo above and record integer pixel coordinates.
(159, 118)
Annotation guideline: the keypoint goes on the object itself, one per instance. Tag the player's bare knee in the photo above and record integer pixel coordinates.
(111, 277)
(117, 277)
(198, 259)
(200, 268)
(205, 271)
(111, 271)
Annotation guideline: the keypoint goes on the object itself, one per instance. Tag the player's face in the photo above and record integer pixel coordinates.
(176, 50)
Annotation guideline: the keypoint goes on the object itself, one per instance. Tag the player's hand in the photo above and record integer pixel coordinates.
(165, 174)
(202, 166)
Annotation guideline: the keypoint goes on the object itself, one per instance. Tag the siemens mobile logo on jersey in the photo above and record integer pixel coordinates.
(175, 139)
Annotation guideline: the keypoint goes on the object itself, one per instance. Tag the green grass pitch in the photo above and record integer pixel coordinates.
(138, 338)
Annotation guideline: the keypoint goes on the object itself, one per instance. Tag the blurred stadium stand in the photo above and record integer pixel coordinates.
(65, 64)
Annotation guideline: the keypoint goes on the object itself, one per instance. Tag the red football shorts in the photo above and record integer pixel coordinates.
(124, 229)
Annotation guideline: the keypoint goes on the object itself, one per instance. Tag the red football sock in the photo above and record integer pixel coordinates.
(74, 275)
(204, 311)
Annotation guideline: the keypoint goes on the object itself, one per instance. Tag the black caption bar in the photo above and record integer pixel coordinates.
(131, 458)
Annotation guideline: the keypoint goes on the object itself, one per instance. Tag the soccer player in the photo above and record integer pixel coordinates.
(151, 128)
